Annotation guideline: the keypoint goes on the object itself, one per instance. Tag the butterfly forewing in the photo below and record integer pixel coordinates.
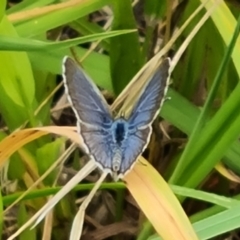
(151, 98)
(87, 102)
(144, 112)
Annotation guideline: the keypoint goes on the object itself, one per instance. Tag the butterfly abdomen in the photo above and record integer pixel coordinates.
(117, 159)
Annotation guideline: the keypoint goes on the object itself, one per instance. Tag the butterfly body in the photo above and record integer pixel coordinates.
(118, 142)
(115, 144)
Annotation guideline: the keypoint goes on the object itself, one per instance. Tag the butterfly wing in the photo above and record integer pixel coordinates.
(94, 119)
(151, 98)
(99, 144)
(132, 149)
(142, 116)
(86, 100)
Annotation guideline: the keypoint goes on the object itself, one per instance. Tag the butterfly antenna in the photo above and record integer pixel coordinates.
(75, 56)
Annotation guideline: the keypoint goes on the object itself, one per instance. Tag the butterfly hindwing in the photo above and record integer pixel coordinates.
(99, 143)
(134, 146)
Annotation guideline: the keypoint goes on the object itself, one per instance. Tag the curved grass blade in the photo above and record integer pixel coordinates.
(24, 44)
(156, 194)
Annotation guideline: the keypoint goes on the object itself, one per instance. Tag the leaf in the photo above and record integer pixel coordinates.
(23, 215)
(158, 203)
(58, 17)
(25, 44)
(46, 156)
(16, 83)
(18, 139)
(125, 59)
(3, 4)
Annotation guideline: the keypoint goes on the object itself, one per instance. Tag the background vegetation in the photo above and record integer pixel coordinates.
(197, 152)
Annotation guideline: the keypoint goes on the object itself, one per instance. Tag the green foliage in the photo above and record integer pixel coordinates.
(22, 217)
(124, 50)
(203, 109)
(46, 156)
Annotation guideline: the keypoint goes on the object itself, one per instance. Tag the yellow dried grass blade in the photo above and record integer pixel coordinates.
(76, 230)
(227, 173)
(16, 140)
(88, 168)
(39, 180)
(40, 11)
(123, 100)
(158, 202)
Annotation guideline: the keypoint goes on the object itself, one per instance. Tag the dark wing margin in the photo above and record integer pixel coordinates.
(152, 97)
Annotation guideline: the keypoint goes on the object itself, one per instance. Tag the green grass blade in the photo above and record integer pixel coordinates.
(16, 83)
(183, 115)
(25, 44)
(215, 225)
(218, 224)
(58, 18)
(2, 8)
(28, 4)
(188, 154)
(125, 58)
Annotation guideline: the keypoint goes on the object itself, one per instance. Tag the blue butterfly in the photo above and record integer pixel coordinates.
(114, 143)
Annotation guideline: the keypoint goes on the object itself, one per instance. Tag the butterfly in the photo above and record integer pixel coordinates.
(115, 143)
